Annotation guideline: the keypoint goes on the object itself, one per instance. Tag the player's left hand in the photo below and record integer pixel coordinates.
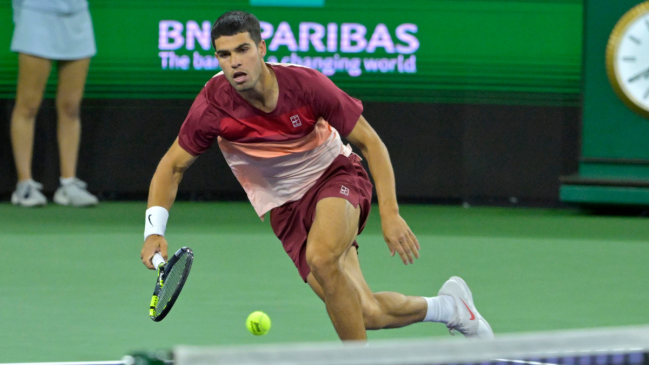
(400, 238)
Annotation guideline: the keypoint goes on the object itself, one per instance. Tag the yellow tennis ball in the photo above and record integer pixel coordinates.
(258, 323)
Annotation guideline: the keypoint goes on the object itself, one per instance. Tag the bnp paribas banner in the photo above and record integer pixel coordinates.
(315, 45)
(384, 50)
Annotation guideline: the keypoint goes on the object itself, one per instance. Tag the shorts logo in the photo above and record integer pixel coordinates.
(296, 121)
(344, 190)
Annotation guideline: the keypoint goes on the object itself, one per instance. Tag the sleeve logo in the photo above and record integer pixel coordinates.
(296, 121)
(344, 190)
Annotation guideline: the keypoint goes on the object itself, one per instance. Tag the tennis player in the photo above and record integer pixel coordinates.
(279, 127)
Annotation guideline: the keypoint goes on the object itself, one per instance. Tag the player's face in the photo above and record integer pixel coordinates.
(241, 59)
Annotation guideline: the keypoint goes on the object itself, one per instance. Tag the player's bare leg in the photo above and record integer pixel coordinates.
(382, 309)
(72, 78)
(32, 77)
(334, 229)
(394, 310)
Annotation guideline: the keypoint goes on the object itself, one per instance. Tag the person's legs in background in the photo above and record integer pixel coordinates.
(72, 78)
(32, 77)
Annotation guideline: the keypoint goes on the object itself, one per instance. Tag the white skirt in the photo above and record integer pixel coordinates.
(53, 36)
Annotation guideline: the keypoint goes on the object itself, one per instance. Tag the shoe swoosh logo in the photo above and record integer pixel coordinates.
(152, 223)
(467, 308)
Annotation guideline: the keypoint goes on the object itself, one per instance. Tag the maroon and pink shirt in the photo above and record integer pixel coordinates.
(276, 156)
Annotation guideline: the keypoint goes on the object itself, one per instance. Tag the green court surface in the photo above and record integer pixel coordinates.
(72, 287)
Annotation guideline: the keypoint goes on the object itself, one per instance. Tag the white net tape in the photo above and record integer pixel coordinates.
(602, 343)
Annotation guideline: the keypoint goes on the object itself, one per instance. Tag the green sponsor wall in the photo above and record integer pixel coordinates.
(496, 52)
(614, 165)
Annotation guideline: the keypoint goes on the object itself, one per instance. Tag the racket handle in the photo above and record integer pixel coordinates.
(157, 260)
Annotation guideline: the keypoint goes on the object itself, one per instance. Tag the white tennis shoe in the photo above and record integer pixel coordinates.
(466, 320)
(28, 194)
(75, 194)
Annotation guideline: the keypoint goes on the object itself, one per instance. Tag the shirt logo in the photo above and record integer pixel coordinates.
(344, 190)
(296, 121)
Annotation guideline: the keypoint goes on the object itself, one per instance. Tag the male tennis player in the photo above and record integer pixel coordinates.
(279, 128)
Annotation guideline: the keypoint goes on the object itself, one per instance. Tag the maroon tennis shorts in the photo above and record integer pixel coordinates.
(344, 178)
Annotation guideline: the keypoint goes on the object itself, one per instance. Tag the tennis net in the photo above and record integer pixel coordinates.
(604, 346)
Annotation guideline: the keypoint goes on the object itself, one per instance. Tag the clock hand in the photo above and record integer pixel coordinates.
(644, 74)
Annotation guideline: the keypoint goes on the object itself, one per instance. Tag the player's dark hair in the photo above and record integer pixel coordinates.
(235, 22)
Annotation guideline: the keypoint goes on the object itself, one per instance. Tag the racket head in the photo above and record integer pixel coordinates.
(170, 282)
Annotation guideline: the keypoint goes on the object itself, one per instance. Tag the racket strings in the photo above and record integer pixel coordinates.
(171, 281)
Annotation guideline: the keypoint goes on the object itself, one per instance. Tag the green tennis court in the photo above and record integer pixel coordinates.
(73, 287)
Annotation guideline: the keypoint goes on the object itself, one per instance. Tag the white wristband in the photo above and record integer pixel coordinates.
(155, 221)
(157, 260)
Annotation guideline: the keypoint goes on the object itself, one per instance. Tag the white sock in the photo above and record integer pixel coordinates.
(440, 309)
(66, 180)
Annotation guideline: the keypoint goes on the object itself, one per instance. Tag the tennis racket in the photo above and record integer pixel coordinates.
(171, 279)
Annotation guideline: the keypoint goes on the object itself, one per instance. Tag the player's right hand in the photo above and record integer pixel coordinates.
(400, 238)
(154, 243)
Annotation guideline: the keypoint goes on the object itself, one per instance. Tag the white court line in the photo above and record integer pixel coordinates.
(116, 362)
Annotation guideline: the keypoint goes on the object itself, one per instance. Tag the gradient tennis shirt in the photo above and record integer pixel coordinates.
(276, 156)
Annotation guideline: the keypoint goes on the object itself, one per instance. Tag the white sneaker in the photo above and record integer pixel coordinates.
(74, 193)
(466, 320)
(28, 194)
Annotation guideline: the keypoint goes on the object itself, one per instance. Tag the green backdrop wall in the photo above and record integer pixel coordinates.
(486, 106)
(482, 51)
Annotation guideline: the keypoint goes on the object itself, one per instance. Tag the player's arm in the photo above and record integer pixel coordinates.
(396, 232)
(162, 193)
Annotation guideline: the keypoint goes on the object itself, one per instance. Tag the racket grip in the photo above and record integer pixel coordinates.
(157, 260)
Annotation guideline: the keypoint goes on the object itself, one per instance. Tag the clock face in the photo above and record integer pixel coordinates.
(628, 59)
